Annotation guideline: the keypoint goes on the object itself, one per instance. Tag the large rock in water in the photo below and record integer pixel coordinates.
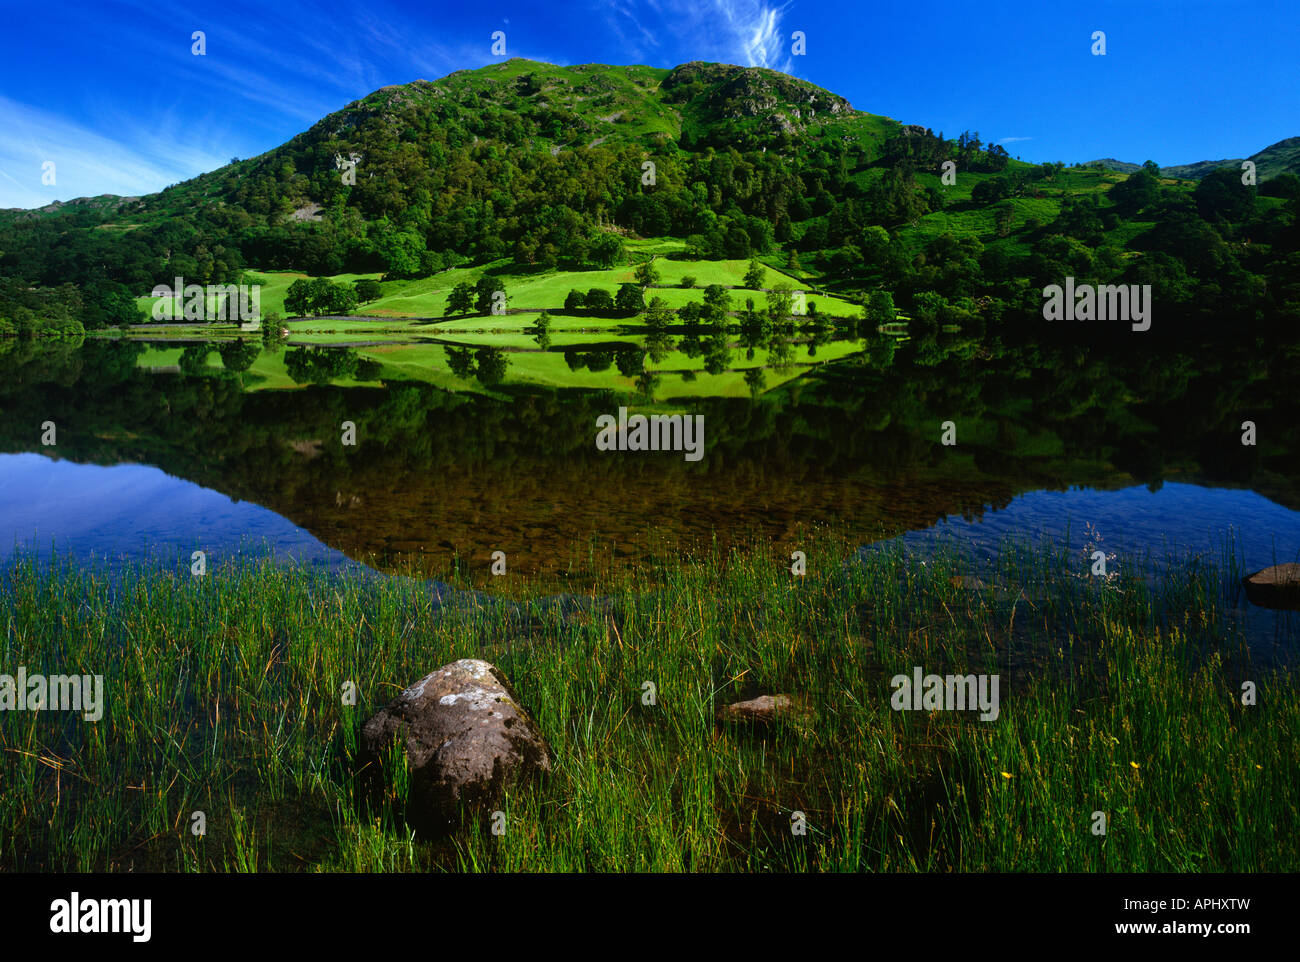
(466, 738)
(1275, 587)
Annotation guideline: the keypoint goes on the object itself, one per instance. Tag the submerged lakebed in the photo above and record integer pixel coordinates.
(137, 514)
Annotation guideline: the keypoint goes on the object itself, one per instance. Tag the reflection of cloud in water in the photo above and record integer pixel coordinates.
(1178, 520)
(135, 511)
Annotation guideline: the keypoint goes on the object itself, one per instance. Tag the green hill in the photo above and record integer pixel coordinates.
(528, 168)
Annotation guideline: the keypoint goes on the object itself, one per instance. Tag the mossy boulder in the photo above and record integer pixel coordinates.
(466, 737)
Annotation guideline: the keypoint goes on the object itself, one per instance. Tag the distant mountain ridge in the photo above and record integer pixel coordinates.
(1280, 158)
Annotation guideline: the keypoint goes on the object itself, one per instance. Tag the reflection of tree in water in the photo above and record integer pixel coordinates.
(487, 365)
(1043, 413)
(878, 350)
(691, 345)
(490, 365)
(598, 361)
(821, 334)
(320, 365)
(460, 360)
(238, 356)
(781, 351)
(194, 359)
(630, 362)
(658, 345)
(647, 383)
(717, 352)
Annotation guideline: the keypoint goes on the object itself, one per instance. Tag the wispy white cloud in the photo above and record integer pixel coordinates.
(755, 25)
(87, 163)
(745, 32)
(1013, 140)
(269, 72)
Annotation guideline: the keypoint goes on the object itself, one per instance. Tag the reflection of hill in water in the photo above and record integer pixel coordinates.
(856, 444)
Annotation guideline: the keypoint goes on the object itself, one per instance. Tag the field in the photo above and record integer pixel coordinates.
(536, 291)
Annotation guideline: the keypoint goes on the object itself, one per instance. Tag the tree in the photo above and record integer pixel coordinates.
(657, 315)
(600, 301)
(598, 361)
(736, 244)
(688, 280)
(368, 289)
(486, 290)
(880, 309)
(779, 302)
(605, 249)
(575, 301)
(1140, 190)
(461, 298)
(630, 299)
(990, 191)
(647, 274)
(1222, 196)
(297, 299)
(318, 295)
(717, 298)
(341, 299)
(401, 252)
(109, 304)
(271, 326)
(755, 275)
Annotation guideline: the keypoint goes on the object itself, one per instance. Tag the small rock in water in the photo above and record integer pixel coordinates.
(1275, 587)
(765, 709)
(466, 736)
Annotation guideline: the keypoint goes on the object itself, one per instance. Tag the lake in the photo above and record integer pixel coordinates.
(461, 449)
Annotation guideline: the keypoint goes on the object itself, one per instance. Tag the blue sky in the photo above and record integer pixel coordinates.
(111, 93)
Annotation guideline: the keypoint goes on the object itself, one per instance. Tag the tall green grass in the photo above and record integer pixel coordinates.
(224, 696)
